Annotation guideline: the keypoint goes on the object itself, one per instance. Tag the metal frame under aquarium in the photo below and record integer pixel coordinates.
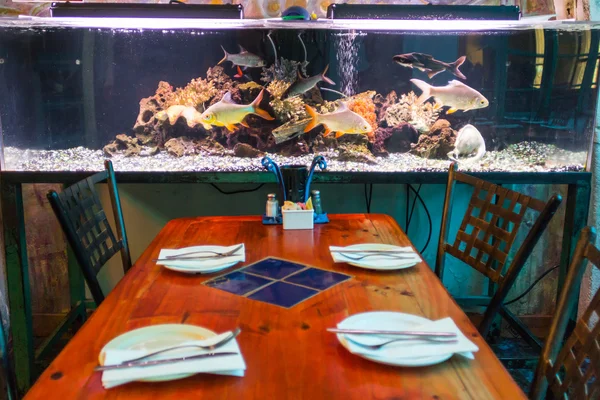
(203, 100)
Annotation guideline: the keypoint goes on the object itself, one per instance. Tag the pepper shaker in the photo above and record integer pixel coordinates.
(316, 201)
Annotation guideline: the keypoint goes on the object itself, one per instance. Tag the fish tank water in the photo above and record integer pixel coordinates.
(368, 95)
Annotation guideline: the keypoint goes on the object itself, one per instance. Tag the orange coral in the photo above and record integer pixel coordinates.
(363, 105)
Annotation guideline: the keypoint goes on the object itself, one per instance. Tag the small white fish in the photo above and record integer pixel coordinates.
(468, 141)
(341, 121)
(455, 95)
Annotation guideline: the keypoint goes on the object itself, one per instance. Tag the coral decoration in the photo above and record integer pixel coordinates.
(277, 88)
(196, 93)
(421, 116)
(363, 105)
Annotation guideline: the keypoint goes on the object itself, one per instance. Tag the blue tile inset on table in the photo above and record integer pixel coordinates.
(274, 268)
(283, 294)
(238, 282)
(317, 278)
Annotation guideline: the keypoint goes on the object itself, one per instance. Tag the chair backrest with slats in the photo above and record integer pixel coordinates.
(572, 370)
(490, 226)
(86, 226)
(488, 231)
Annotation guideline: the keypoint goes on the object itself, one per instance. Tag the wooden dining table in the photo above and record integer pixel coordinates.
(289, 353)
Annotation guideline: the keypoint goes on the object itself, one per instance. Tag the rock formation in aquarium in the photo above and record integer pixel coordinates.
(437, 143)
(175, 120)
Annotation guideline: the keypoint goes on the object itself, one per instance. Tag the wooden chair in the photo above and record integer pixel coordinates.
(573, 371)
(486, 237)
(84, 222)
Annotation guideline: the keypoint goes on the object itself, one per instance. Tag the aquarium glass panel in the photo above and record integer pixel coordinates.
(375, 96)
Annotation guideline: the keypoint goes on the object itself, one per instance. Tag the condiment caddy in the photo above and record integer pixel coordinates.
(301, 207)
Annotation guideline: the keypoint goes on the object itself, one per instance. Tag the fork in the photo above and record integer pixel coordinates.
(216, 253)
(213, 346)
(395, 256)
(380, 345)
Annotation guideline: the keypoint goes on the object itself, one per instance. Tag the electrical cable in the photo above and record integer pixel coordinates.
(418, 196)
(237, 191)
(519, 297)
(413, 208)
(369, 196)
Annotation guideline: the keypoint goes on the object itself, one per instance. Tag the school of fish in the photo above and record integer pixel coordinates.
(456, 95)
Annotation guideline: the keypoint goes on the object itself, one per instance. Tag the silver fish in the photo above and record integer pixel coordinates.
(455, 95)
(341, 121)
(468, 141)
(244, 58)
(303, 85)
(228, 114)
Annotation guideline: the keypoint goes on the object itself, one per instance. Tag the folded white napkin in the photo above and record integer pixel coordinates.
(221, 365)
(410, 348)
(408, 257)
(203, 264)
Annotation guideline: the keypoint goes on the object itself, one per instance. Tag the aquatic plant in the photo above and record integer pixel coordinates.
(421, 116)
(277, 88)
(194, 94)
(290, 109)
(284, 70)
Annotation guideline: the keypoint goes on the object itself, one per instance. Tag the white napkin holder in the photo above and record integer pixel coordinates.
(298, 219)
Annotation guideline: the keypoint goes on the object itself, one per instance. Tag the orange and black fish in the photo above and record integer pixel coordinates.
(429, 65)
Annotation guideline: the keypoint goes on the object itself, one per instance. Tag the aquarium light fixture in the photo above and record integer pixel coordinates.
(340, 24)
(173, 9)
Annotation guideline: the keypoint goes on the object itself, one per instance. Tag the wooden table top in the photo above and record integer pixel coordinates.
(288, 352)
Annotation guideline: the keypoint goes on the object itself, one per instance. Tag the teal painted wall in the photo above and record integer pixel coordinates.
(148, 208)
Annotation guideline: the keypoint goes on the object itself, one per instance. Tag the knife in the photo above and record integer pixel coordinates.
(374, 251)
(192, 258)
(402, 333)
(147, 363)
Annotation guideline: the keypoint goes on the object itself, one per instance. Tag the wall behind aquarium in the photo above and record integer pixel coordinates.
(147, 208)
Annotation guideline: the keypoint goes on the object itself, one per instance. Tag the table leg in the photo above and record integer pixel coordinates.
(17, 274)
(576, 217)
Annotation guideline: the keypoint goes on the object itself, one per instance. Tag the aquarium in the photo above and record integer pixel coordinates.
(370, 96)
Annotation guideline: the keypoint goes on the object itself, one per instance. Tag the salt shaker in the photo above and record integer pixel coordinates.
(272, 206)
(316, 201)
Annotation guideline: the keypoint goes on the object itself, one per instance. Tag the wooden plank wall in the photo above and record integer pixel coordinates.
(47, 259)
